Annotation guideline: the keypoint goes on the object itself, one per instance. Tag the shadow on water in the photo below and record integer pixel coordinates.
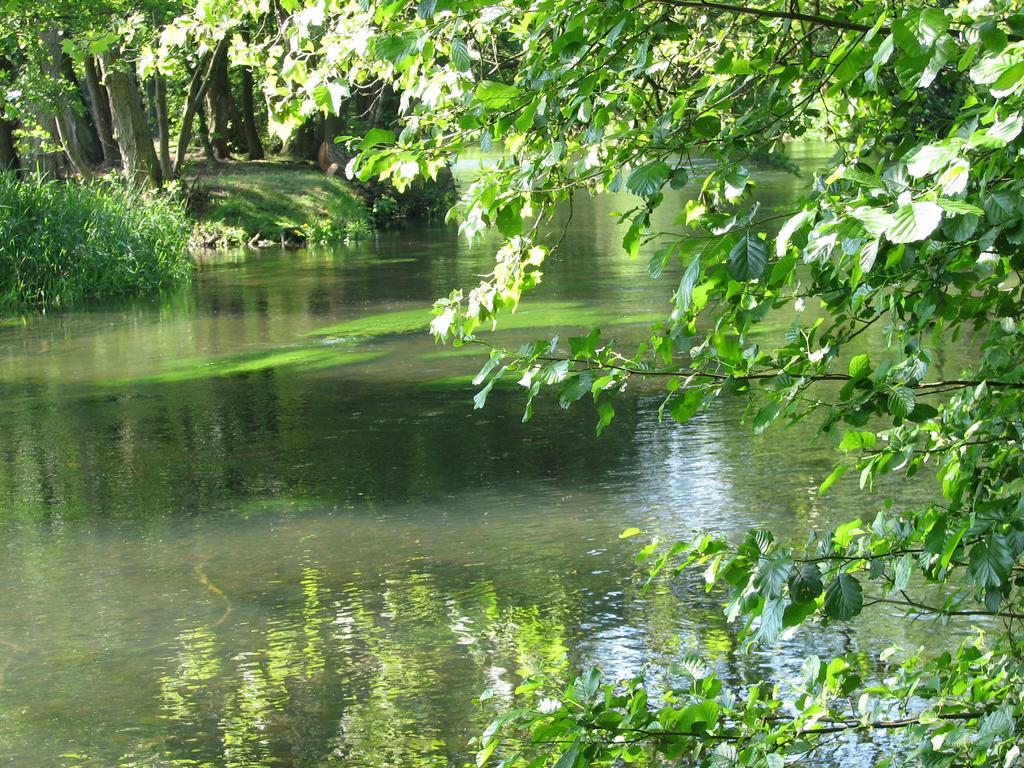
(257, 523)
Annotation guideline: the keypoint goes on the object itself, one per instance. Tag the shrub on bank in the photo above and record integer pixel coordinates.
(63, 242)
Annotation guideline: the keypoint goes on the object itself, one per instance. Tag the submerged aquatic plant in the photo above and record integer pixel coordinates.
(62, 243)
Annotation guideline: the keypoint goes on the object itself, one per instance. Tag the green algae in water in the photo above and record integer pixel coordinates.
(539, 316)
(454, 353)
(452, 382)
(380, 324)
(298, 359)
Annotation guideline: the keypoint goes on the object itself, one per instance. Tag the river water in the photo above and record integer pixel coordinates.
(258, 523)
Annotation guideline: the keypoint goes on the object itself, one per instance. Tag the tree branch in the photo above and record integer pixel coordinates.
(823, 21)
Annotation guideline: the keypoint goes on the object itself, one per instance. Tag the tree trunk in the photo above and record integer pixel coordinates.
(64, 128)
(197, 88)
(42, 161)
(248, 117)
(204, 137)
(218, 95)
(99, 103)
(252, 134)
(9, 160)
(305, 140)
(141, 167)
(163, 126)
(84, 128)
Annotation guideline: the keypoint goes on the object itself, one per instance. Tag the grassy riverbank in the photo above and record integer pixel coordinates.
(273, 202)
(63, 243)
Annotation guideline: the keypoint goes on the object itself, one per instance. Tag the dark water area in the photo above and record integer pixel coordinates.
(244, 525)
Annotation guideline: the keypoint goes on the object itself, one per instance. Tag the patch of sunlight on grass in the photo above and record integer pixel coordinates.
(274, 199)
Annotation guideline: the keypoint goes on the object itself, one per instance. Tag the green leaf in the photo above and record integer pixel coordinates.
(1002, 132)
(792, 225)
(605, 414)
(846, 532)
(901, 576)
(748, 258)
(330, 97)
(949, 548)
(493, 95)
(632, 239)
(874, 220)
(933, 22)
(991, 561)
(863, 179)
(771, 620)
(766, 415)
(930, 159)
(805, 583)
(460, 57)
(172, 36)
(377, 137)
(575, 387)
(901, 402)
(510, 223)
(734, 182)
(630, 533)
(857, 441)
(649, 178)
(835, 474)
(395, 48)
(914, 221)
(684, 293)
(707, 126)
(958, 207)
(480, 398)
(844, 598)
(772, 572)
(569, 757)
(685, 406)
(860, 367)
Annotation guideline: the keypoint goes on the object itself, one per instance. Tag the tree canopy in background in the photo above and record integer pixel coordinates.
(912, 234)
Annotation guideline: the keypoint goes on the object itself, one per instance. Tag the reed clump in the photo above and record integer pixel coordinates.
(64, 243)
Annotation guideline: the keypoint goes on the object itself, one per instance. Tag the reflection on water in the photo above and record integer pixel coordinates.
(231, 539)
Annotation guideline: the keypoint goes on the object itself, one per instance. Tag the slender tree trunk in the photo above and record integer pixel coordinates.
(84, 128)
(193, 104)
(218, 95)
(197, 88)
(64, 128)
(99, 103)
(67, 134)
(204, 137)
(141, 166)
(252, 134)
(163, 126)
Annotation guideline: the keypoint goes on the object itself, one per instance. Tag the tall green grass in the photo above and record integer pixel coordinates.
(63, 243)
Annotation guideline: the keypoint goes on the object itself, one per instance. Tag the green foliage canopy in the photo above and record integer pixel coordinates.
(913, 233)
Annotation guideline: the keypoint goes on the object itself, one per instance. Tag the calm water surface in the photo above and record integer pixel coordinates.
(240, 527)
